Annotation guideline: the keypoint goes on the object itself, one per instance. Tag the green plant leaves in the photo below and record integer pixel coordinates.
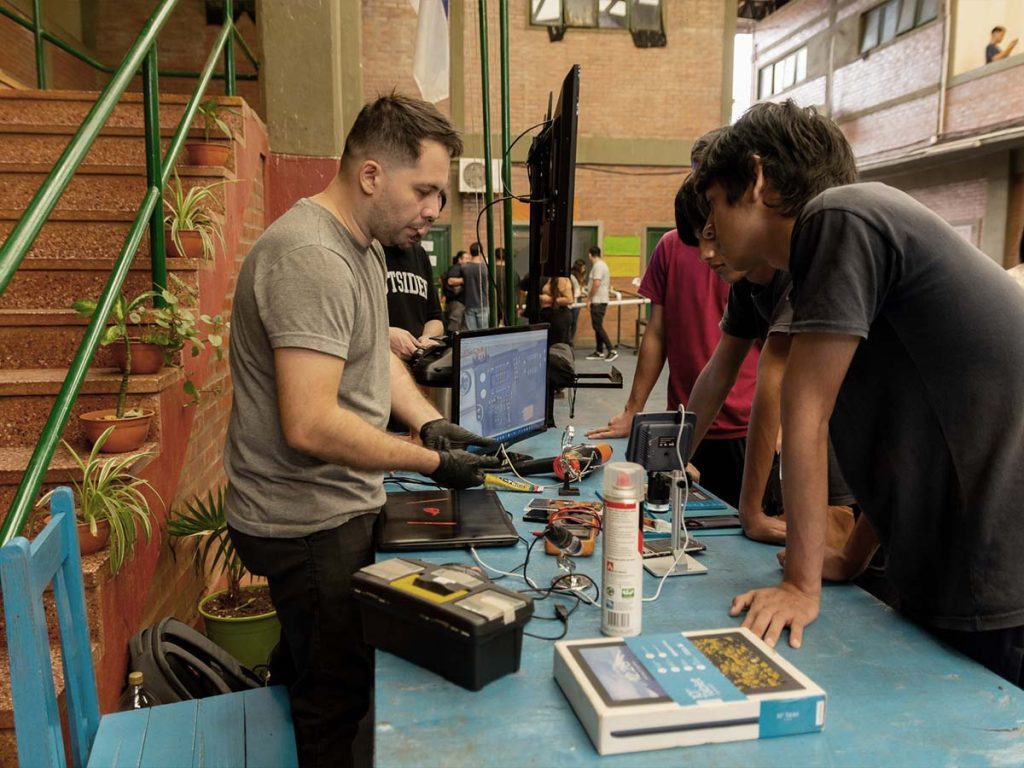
(108, 491)
(205, 520)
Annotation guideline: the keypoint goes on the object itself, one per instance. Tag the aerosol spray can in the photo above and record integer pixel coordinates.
(622, 574)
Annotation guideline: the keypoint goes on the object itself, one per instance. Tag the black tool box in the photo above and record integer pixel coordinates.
(449, 619)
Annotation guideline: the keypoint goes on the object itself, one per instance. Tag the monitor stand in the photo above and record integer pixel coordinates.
(668, 564)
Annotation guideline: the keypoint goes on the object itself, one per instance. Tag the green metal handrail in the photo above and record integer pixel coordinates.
(142, 54)
(43, 36)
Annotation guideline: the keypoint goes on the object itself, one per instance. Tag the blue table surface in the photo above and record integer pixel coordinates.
(896, 696)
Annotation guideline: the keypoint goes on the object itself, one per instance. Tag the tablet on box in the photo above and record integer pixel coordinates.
(441, 519)
(683, 689)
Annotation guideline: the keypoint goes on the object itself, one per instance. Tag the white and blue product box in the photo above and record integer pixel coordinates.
(674, 690)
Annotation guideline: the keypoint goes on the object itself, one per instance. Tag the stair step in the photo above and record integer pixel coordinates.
(98, 188)
(57, 282)
(69, 108)
(86, 234)
(27, 398)
(117, 146)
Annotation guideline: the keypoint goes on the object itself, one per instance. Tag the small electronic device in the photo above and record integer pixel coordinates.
(449, 619)
(536, 516)
(498, 377)
(663, 547)
(653, 438)
(432, 367)
(586, 534)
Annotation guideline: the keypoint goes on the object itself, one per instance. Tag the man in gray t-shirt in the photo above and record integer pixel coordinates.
(314, 382)
(597, 300)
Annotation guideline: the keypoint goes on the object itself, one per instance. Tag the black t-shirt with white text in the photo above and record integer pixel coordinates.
(928, 424)
(412, 299)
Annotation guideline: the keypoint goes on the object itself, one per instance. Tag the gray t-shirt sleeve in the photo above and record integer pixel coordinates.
(307, 298)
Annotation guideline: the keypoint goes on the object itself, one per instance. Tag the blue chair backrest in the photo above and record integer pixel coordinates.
(26, 568)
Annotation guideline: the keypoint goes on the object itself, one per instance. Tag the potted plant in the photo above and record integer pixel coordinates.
(189, 226)
(127, 428)
(178, 323)
(242, 620)
(110, 507)
(156, 334)
(208, 152)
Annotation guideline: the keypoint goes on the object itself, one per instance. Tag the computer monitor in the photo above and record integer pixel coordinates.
(551, 166)
(499, 382)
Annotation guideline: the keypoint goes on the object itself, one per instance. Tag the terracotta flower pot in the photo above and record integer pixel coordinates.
(128, 434)
(146, 358)
(89, 544)
(191, 241)
(207, 153)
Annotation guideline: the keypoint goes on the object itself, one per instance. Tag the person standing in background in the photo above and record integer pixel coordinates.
(576, 278)
(452, 286)
(475, 289)
(597, 301)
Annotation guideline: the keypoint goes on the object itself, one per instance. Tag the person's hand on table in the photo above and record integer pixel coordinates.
(618, 426)
(402, 343)
(461, 469)
(771, 609)
(442, 435)
(761, 527)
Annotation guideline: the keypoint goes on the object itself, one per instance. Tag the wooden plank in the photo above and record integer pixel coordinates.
(119, 740)
(171, 738)
(269, 734)
(220, 733)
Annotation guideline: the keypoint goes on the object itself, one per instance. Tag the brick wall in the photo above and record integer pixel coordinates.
(900, 127)
(996, 100)
(779, 26)
(626, 92)
(184, 44)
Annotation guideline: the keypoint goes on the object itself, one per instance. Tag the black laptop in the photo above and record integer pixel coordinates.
(443, 519)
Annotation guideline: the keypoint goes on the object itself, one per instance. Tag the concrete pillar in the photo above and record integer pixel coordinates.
(312, 88)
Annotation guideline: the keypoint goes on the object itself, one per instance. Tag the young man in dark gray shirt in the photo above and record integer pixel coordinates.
(314, 382)
(910, 343)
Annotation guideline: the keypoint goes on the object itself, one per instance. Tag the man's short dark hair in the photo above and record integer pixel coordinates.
(802, 154)
(474, 250)
(594, 251)
(998, 29)
(394, 127)
(691, 212)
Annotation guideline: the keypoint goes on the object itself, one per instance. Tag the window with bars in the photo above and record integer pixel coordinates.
(887, 21)
(641, 18)
(782, 74)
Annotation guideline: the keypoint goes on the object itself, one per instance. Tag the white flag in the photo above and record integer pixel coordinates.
(430, 63)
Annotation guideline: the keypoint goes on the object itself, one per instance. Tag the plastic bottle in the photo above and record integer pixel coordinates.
(622, 571)
(135, 695)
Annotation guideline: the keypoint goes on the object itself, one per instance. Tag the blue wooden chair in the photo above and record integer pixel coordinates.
(250, 728)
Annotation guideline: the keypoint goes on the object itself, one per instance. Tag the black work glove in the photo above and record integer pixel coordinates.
(442, 435)
(461, 469)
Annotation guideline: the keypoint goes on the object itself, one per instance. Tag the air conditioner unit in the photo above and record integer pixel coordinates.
(471, 175)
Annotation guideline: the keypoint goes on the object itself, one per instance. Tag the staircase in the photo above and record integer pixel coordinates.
(39, 334)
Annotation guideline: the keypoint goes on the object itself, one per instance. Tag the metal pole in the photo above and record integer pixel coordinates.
(509, 299)
(229, 50)
(154, 172)
(488, 182)
(37, 28)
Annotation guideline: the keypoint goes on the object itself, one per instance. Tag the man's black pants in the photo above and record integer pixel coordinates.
(720, 463)
(604, 344)
(321, 657)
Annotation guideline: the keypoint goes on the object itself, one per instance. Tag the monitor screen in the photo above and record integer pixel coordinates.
(499, 382)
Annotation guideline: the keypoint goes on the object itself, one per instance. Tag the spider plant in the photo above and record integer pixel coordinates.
(204, 520)
(210, 112)
(188, 210)
(108, 491)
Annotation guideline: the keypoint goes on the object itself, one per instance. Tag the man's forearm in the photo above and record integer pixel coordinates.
(764, 424)
(433, 328)
(649, 364)
(408, 404)
(714, 382)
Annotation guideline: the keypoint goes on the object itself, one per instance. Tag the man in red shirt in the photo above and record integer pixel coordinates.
(687, 301)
